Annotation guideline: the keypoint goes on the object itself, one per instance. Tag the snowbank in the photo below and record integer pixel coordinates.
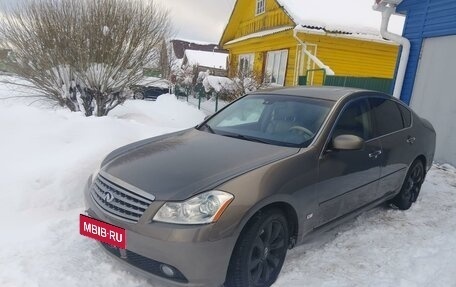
(47, 156)
(217, 84)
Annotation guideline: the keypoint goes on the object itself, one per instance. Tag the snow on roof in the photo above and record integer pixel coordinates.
(259, 34)
(358, 36)
(342, 17)
(154, 82)
(206, 59)
(198, 42)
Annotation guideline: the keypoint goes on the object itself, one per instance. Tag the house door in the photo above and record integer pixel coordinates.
(433, 93)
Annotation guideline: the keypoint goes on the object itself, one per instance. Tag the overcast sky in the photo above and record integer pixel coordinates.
(204, 20)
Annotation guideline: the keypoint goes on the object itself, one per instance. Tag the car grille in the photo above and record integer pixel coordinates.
(144, 263)
(124, 204)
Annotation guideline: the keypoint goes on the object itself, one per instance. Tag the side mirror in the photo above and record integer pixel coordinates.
(347, 142)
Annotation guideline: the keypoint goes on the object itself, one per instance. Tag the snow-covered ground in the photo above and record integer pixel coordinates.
(48, 153)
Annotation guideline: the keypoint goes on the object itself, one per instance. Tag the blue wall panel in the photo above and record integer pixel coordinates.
(425, 19)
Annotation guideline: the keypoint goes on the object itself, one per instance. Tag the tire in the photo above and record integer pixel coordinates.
(411, 187)
(260, 251)
(138, 96)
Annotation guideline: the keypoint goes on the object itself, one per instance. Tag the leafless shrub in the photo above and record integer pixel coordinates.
(186, 79)
(248, 81)
(84, 54)
(230, 89)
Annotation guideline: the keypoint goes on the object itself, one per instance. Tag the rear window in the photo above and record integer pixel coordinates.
(388, 116)
(406, 116)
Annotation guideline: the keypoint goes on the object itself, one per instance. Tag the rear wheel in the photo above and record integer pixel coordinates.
(411, 187)
(260, 251)
(138, 95)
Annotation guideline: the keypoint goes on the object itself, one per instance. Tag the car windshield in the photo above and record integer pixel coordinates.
(274, 119)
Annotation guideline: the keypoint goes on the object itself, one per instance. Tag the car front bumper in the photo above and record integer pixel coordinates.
(198, 259)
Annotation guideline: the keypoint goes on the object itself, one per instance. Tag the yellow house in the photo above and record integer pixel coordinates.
(271, 38)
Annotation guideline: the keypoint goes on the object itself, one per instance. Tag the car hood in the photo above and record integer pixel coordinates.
(179, 165)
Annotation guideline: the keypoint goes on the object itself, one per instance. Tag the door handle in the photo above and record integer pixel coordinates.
(375, 154)
(411, 140)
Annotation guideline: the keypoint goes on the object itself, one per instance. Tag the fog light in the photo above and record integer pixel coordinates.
(168, 271)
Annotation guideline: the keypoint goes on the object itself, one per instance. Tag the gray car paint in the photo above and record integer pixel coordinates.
(184, 164)
(317, 187)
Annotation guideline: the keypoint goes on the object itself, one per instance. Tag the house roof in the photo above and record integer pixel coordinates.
(180, 45)
(206, 59)
(260, 34)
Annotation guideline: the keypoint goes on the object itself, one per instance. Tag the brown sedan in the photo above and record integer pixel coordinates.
(222, 202)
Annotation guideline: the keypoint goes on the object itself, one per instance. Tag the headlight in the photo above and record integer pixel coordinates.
(201, 209)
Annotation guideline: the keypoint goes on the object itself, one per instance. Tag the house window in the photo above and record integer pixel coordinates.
(276, 67)
(245, 64)
(260, 7)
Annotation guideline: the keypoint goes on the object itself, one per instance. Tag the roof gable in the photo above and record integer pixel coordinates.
(244, 14)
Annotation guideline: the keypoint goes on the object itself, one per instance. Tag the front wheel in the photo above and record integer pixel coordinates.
(411, 186)
(260, 251)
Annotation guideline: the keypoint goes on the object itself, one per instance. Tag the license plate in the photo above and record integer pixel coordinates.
(102, 231)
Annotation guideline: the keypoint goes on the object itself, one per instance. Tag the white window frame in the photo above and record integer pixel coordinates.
(250, 58)
(260, 7)
(276, 67)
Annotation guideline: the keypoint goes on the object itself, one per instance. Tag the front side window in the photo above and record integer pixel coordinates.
(388, 116)
(273, 119)
(260, 7)
(245, 64)
(355, 120)
(276, 67)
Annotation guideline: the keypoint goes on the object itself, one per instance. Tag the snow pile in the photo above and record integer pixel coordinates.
(355, 16)
(386, 247)
(206, 59)
(218, 84)
(47, 155)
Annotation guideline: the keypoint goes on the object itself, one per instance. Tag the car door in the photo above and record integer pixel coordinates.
(348, 178)
(392, 128)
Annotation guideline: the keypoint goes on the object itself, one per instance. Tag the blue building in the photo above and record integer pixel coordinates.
(430, 80)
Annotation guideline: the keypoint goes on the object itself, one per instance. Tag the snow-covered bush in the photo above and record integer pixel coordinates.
(229, 89)
(185, 79)
(84, 54)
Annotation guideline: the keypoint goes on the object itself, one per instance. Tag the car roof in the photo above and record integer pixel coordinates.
(324, 93)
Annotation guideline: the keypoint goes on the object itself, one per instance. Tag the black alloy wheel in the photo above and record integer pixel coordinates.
(411, 187)
(260, 251)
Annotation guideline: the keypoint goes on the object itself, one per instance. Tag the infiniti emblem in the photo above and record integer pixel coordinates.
(108, 196)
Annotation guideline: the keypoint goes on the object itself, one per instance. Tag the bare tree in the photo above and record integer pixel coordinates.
(248, 81)
(84, 54)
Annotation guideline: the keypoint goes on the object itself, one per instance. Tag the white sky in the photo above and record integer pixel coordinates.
(204, 20)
